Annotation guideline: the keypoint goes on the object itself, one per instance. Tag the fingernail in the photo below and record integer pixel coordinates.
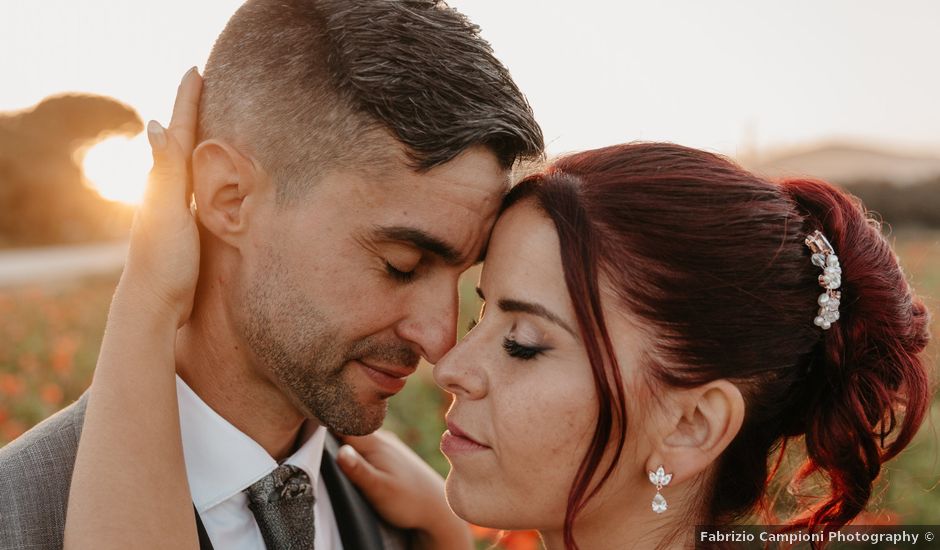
(191, 72)
(347, 453)
(156, 135)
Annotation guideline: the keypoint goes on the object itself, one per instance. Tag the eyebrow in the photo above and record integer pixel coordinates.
(422, 240)
(518, 306)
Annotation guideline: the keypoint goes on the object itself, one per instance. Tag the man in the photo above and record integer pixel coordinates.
(351, 161)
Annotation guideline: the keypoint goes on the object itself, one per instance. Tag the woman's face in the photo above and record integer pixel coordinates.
(525, 404)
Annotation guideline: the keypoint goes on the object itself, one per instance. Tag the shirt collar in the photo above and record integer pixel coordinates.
(221, 461)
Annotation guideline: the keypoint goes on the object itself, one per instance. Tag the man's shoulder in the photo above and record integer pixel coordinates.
(48, 440)
(35, 475)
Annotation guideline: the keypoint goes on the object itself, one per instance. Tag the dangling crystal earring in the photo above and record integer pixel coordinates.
(660, 479)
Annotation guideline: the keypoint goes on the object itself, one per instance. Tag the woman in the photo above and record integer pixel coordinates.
(659, 323)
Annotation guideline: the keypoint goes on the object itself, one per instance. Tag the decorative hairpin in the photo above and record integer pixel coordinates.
(825, 257)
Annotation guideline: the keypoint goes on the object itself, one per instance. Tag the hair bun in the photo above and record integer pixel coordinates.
(867, 369)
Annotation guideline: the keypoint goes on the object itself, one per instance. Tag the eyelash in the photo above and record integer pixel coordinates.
(517, 350)
(512, 347)
(398, 275)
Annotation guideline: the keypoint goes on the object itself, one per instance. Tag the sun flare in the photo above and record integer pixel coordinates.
(117, 168)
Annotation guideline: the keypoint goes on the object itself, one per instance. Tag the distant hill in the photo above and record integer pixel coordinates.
(848, 165)
(43, 197)
(903, 189)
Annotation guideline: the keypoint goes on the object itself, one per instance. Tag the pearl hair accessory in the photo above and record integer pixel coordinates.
(824, 256)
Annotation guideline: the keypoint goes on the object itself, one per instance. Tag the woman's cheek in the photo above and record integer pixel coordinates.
(545, 430)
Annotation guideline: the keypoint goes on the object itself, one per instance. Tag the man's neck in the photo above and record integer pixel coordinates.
(217, 366)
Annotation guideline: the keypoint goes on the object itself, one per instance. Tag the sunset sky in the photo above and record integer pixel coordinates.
(723, 75)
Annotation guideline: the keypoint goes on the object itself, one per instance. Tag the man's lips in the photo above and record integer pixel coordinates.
(456, 441)
(390, 378)
(395, 371)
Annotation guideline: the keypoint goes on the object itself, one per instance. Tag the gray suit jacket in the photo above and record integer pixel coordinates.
(35, 474)
(36, 471)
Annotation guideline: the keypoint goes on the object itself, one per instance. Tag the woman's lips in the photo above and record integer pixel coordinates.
(388, 380)
(455, 441)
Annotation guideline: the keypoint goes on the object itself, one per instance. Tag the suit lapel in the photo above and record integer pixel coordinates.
(358, 525)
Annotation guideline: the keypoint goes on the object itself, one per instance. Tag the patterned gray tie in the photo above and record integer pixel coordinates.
(282, 503)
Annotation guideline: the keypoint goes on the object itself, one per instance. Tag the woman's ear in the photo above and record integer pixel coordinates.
(709, 417)
(223, 181)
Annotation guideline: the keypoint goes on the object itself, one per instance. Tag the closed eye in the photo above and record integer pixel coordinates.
(399, 275)
(519, 351)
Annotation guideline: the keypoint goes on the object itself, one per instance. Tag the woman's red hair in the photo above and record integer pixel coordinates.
(712, 259)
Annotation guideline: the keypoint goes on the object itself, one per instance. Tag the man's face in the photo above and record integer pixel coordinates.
(343, 291)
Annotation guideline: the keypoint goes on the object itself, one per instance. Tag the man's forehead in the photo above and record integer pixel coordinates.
(448, 210)
(456, 240)
(475, 170)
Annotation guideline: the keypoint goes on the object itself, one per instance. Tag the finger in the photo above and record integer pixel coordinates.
(186, 110)
(363, 474)
(364, 444)
(166, 184)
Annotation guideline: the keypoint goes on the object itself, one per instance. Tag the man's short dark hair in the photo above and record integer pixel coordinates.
(309, 85)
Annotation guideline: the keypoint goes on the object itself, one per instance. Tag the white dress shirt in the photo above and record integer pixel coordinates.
(221, 462)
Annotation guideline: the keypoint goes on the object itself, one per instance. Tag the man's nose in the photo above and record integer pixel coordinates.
(459, 373)
(431, 322)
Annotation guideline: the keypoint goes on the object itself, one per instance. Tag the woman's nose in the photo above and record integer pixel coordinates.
(459, 372)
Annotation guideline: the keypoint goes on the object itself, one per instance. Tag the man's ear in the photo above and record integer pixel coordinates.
(709, 418)
(223, 182)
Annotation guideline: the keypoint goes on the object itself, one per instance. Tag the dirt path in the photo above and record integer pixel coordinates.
(55, 263)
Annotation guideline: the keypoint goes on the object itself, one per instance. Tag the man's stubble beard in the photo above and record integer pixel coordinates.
(293, 340)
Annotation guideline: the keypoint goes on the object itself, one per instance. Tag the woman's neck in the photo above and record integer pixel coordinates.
(628, 526)
(639, 538)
